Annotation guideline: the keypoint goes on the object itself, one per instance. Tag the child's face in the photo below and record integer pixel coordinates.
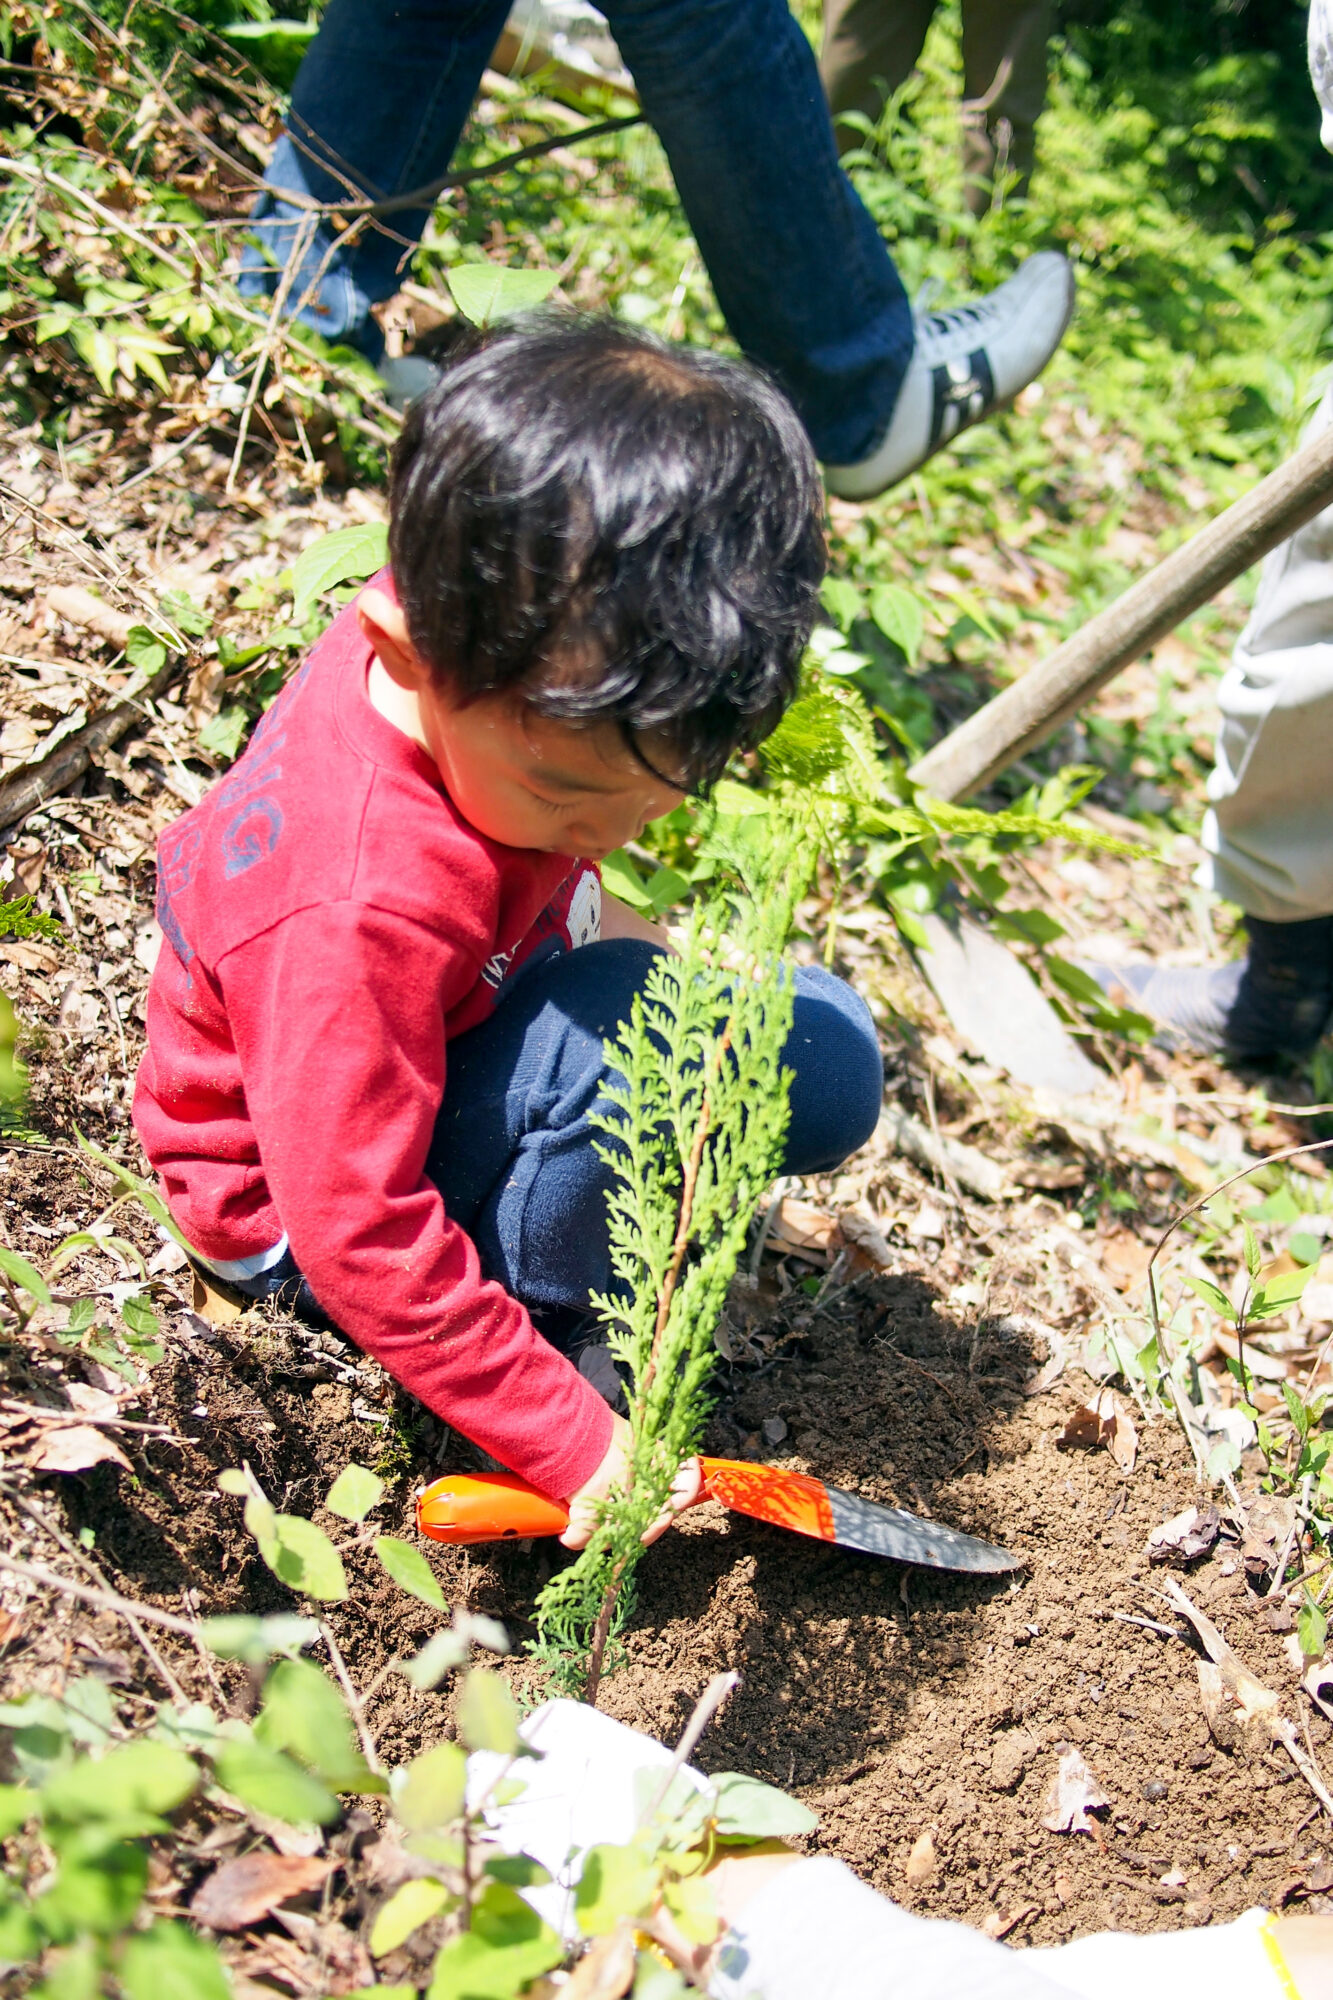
(518, 777)
(529, 781)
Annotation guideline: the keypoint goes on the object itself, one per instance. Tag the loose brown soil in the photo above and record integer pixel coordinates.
(899, 1703)
(894, 1701)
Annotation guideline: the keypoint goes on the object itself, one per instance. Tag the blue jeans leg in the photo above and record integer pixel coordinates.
(732, 88)
(513, 1154)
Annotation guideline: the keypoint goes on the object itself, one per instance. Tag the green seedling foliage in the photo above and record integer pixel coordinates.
(272, 1783)
(304, 1714)
(18, 919)
(438, 1657)
(21, 1273)
(506, 1946)
(694, 1133)
(430, 1794)
(299, 1554)
(409, 1570)
(354, 1493)
(1311, 1628)
(143, 1777)
(487, 1715)
(616, 1882)
(485, 293)
(171, 1962)
(747, 1809)
(406, 1911)
(347, 552)
(13, 1073)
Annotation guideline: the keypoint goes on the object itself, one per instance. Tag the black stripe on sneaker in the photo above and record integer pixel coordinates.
(964, 391)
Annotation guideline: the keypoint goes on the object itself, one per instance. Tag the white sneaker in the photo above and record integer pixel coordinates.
(966, 362)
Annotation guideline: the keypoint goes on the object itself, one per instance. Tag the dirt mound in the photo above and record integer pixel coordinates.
(899, 1703)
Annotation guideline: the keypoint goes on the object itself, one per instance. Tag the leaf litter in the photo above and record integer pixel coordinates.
(904, 1336)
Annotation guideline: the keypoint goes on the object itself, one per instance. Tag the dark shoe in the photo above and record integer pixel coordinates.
(1274, 1001)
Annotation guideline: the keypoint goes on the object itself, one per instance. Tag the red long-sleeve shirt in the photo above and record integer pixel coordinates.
(330, 922)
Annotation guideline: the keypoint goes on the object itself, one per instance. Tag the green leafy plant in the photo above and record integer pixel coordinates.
(695, 1134)
(18, 919)
(303, 1557)
(1259, 1299)
(485, 293)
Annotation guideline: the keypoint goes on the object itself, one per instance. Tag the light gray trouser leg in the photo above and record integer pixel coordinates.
(1269, 830)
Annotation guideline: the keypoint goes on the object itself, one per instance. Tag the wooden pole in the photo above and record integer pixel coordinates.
(1048, 694)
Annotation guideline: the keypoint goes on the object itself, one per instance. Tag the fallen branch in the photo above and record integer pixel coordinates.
(33, 784)
(900, 1133)
(101, 1600)
(84, 607)
(1058, 686)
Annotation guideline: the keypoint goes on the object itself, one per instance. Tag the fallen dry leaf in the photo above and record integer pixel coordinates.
(1219, 1711)
(1317, 1680)
(1073, 1794)
(1057, 1352)
(1185, 1537)
(923, 1862)
(341, 1960)
(997, 1924)
(90, 1401)
(76, 1448)
(866, 1241)
(1269, 1522)
(1251, 1697)
(607, 1970)
(800, 1226)
(241, 1892)
(1124, 1258)
(213, 1306)
(1103, 1422)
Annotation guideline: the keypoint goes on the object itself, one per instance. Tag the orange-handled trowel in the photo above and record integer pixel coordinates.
(498, 1507)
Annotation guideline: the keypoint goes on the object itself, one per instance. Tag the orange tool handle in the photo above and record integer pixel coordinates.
(499, 1506)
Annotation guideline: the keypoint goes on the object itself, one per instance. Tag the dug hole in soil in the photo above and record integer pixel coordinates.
(921, 1714)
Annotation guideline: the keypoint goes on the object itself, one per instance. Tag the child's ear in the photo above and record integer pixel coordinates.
(383, 625)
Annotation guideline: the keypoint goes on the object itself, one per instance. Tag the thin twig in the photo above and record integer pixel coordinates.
(368, 1750)
(417, 197)
(101, 1600)
(177, 451)
(1284, 1732)
(1299, 1515)
(131, 1614)
(272, 336)
(48, 1414)
(1148, 1624)
(1238, 1678)
(228, 303)
(707, 1706)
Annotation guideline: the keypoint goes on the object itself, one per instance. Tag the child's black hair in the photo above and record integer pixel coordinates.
(616, 528)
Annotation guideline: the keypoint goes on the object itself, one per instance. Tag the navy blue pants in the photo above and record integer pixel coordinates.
(513, 1154)
(732, 89)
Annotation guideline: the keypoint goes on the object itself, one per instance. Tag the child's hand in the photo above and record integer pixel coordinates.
(611, 1472)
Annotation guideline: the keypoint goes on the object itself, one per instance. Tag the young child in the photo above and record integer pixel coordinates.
(375, 1028)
